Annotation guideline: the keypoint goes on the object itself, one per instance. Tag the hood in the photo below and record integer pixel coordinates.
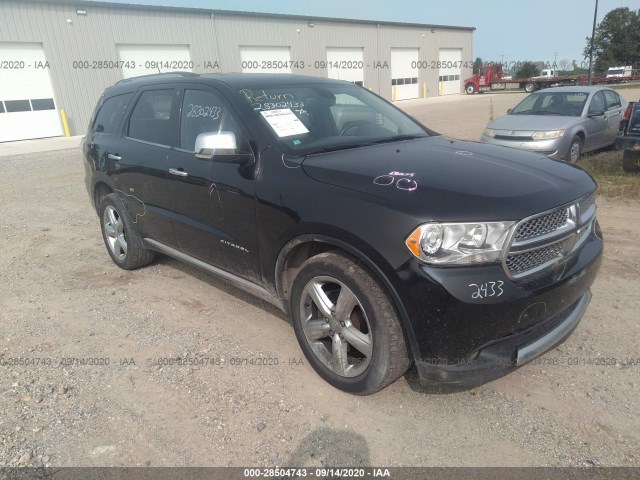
(533, 123)
(438, 178)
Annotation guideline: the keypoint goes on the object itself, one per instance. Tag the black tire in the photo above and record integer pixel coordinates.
(470, 89)
(123, 243)
(631, 161)
(575, 149)
(530, 87)
(374, 317)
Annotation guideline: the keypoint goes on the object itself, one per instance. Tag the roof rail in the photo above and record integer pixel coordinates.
(163, 74)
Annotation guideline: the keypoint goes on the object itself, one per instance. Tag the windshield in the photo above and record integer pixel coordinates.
(568, 104)
(313, 118)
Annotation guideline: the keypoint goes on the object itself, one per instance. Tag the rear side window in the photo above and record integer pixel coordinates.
(110, 113)
(613, 100)
(151, 117)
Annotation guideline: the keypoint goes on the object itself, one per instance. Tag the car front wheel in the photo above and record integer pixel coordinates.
(122, 241)
(575, 149)
(346, 325)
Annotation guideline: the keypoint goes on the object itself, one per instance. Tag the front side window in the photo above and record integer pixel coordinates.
(597, 103)
(110, 113)
(204, 112)
(315, 118)
(151, 117)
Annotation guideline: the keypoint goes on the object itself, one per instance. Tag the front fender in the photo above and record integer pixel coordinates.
(374, 261)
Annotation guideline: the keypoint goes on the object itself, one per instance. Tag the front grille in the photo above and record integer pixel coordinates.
(519, 263)
(539, 242)
(539, 226)
(586, 203)
(515, 138)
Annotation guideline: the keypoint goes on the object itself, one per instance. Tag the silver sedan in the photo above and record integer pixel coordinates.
(561, 122)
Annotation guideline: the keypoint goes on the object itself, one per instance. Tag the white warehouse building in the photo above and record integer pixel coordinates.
(57, 56)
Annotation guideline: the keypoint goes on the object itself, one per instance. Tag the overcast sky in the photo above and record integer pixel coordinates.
(520, 30)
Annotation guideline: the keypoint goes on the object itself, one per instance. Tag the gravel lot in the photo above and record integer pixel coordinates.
(63, 298)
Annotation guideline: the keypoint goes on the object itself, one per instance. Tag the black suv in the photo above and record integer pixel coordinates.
(386, 243)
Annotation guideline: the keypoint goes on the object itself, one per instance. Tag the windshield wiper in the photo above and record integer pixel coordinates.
(398, 138)
(336, 148)
(538, 112)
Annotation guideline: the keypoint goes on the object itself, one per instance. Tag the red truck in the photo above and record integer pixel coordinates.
(490, 77)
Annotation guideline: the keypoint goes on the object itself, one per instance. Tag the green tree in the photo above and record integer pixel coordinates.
(617, 40)
(477, 64)
(527, 69)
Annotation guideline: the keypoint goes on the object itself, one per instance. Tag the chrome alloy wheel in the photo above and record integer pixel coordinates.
(114, 232)
(336, 326)
(574, 151)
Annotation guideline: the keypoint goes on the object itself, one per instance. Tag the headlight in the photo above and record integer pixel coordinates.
(459, 243)
(548, 135)
(489, 132)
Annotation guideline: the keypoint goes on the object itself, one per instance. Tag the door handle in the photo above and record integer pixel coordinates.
(111, 156)
(180, 173)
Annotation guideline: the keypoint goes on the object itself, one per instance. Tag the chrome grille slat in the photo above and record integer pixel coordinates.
(543, 240)
(539, 226)
(519, 263)
(586, 203)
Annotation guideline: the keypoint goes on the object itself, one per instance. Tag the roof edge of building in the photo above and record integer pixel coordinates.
(140, 6)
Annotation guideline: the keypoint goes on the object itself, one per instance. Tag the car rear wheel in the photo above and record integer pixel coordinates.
(575, 149)
(122, 241)
(470, 89)
(346, 324)
(631, 161)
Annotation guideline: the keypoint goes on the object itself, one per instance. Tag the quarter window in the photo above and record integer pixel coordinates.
(205, 112)
(151, 117)
(110, 113)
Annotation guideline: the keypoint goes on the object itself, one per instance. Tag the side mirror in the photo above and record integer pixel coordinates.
(209, 144)
(595, 113)
(509, 110)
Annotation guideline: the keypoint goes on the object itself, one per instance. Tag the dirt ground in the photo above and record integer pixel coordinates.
(61, 298)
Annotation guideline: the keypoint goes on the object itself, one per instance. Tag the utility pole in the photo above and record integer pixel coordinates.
(593, 34)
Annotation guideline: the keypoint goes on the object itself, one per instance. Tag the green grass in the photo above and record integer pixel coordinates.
(613, 182)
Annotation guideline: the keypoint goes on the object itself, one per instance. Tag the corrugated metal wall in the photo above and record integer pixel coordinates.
(210, 36)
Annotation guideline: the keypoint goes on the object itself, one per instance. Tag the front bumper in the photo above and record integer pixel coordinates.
(555, 148)
(468, 341)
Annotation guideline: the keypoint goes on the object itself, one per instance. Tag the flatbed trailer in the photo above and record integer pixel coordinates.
(491, 78)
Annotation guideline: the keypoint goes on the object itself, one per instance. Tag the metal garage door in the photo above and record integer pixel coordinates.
(265, 59)
(404, 77)
(27, 107)
(346, 64)
(147, 59)
(450, 71)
